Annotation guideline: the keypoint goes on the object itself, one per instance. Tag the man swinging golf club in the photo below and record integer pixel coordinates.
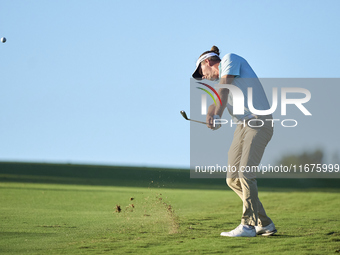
(249, 140)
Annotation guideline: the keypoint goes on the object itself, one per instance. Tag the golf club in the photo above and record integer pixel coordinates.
(186, 117)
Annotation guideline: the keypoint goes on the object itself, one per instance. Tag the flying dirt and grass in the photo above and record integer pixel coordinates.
(74, 209)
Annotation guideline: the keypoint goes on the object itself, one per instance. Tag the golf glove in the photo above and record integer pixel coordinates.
(217, 126)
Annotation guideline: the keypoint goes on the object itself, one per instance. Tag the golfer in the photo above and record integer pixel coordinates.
(251, 136)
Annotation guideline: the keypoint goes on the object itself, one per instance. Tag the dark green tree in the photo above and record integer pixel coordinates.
(314, 157)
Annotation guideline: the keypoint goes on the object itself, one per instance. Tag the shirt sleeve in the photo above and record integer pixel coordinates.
(230, 65)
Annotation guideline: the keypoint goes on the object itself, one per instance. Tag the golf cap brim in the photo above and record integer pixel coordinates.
(196, 73)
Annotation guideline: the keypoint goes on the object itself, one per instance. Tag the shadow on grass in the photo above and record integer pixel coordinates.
(9, 235)
(140, 177)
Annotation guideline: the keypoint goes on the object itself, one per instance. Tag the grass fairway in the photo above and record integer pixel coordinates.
(52, 218)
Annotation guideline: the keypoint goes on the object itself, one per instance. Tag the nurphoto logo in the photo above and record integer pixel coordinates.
(239, 102)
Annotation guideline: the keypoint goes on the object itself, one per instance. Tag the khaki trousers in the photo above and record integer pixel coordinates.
(247, 149)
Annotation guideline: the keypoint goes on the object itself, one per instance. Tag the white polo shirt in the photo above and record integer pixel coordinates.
(245, 77)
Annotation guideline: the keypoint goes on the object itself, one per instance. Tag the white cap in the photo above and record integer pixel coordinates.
(196, 73)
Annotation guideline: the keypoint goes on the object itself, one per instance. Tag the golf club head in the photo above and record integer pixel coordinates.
(184, 115)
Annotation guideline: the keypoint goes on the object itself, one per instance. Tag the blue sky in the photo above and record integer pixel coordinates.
(102, 82)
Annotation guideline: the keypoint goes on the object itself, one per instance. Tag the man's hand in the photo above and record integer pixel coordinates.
(217, 126)
(210, 116)
(210, 122)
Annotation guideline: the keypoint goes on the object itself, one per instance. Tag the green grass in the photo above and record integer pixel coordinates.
(49, 212)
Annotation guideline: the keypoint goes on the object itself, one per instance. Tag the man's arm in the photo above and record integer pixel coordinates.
(219, 109)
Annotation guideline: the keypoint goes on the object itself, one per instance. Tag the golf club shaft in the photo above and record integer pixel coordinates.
(198, 121)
